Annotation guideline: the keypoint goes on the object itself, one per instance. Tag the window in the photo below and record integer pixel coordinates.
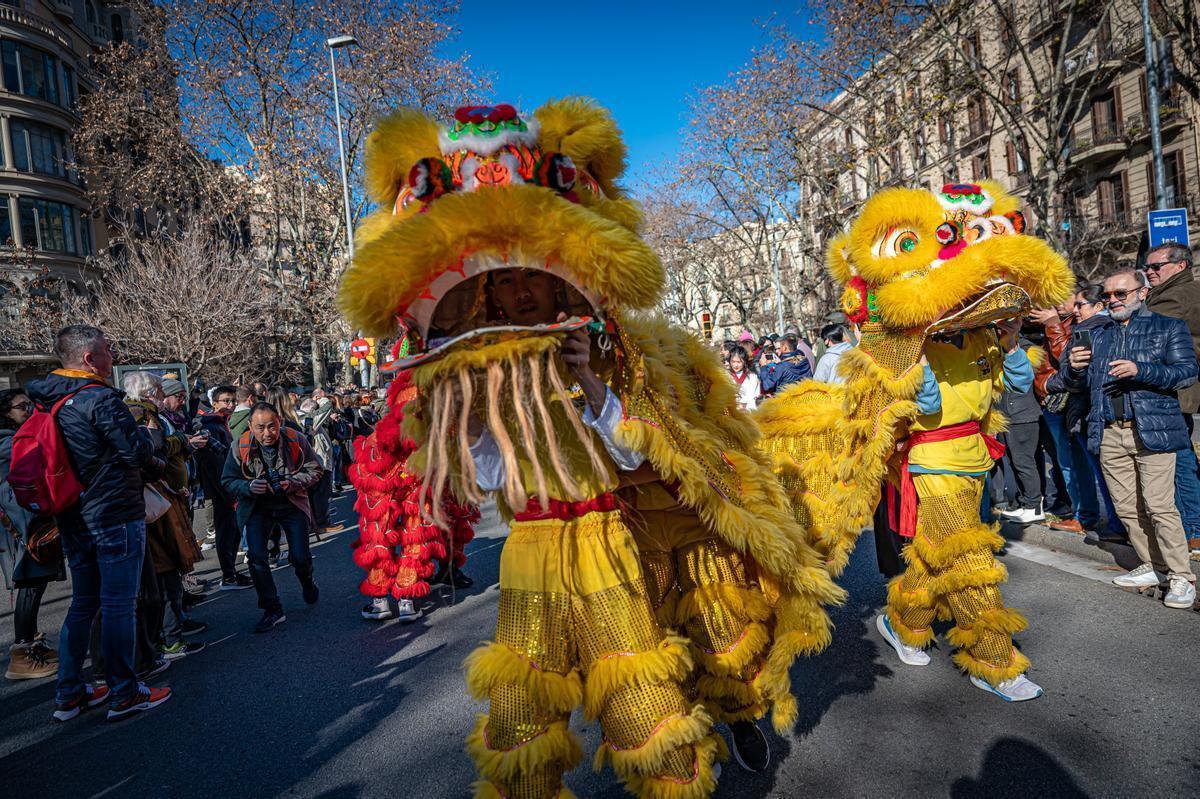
(30, 71)
(981, 166)
(69, 97)
(1106, 116)
(37, 148)
(1015, 160)
(976, 117)
(10, 305)
(1110, 198)
(1012, 86)
(946, 128)
(6, 234)
(47, 225)
(1174, 182)
(85, 234)
(118, 29)
(920, 151)
(972, 50)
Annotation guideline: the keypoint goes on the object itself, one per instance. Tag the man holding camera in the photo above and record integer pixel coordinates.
(269, 472)
(1132, 371)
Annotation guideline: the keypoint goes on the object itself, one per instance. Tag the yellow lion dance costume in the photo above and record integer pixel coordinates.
(927, 276)
(652, 512)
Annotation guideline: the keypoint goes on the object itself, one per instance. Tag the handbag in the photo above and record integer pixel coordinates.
(156, 504)
(41, 541)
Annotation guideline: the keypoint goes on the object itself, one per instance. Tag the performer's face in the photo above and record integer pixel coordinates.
(527, 296)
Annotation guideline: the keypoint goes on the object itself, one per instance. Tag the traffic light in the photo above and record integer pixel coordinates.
(706, 325)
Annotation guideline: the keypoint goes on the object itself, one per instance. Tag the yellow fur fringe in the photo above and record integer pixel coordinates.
(671, 734)
(494, 664)
(486, 790)
(669, 663)
(700, 786)
(555, 743)
(742, 602)
(743, 652)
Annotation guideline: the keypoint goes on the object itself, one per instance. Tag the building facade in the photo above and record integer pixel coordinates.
(47, 230)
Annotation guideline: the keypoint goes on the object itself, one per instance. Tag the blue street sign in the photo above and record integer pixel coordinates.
(1170, 225)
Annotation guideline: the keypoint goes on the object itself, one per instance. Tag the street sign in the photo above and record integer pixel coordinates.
(362, 349)
(1169, 225)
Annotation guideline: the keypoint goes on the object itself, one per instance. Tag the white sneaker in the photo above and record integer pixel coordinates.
(1018, 689)
(1182, 594)
(1143, 576)
(378, 609)
(911, 655)
(1024, 515)
(407, 611)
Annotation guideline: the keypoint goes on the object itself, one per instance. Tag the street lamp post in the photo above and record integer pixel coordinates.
(336, 43)
(776, 256)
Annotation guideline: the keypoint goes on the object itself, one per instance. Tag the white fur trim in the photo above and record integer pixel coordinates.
(487, 145)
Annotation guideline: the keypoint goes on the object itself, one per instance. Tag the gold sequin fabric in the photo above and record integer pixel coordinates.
(966, 583)
(591, 608)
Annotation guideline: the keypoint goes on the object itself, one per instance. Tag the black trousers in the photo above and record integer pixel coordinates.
(25, 614)
(1022, 445)
(228, 536)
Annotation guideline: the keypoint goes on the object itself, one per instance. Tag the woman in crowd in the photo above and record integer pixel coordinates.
(746, 380)
(27, 572)
(170, 543)
(315, 414)
(282, 401)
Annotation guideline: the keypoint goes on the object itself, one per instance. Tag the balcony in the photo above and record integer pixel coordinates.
(1103, 56)
(1043, 20)
(64, 8)
(1108, 140)
(1018, 181)
(99, 33)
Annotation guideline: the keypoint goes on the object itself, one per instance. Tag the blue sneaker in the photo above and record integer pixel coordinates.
(911, 655)
(1018, 689)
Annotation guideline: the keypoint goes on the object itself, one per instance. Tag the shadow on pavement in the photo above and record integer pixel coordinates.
(1016, 769)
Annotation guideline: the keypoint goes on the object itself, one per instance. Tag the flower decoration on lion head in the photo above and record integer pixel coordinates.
(951, 260)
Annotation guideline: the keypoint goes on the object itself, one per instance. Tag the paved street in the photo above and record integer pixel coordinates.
(336, 707)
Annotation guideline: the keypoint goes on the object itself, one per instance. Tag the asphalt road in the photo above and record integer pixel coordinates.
(332, 706)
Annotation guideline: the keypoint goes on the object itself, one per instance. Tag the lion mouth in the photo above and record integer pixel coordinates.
(999, 300)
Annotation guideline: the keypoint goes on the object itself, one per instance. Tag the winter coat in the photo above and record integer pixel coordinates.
(1079, 401)
(246, 462)
(827, 366)
(1179, 298)
(16, 566)
(777, 375)
(210, 459)
(239, 422)
(1166, 362)
(105, 447)
(316, 428)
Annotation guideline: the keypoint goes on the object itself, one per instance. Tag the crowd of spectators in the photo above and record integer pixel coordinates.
(168, 476)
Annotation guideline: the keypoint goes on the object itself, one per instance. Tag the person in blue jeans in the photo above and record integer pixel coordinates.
(269, 471)
(104, 533)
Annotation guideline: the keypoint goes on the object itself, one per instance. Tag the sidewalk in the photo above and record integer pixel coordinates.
(1119, 556)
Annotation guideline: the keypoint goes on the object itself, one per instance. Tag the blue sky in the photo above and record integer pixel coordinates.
(640, 59)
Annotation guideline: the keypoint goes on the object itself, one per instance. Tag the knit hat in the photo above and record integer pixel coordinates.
(171, 387)
(745, 336)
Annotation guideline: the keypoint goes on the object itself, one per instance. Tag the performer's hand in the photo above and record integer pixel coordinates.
(1122, 370)
(577, 355)
(259, 486)
(1044, 316)
(1009, 330)
(1079, 357)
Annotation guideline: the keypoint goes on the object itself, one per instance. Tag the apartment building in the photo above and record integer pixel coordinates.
(1061, 120)
(47, 232)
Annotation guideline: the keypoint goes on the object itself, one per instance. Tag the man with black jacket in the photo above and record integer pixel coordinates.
(104, 534)
(269, 471)
(1133, 371)
(210, 462)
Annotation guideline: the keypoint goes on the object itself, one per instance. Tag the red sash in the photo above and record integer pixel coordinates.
(566, 510)
(908, 489)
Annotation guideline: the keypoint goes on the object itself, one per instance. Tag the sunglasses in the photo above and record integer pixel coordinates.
(1085, 304)
(1157, 266)
(21, 406)
(1119, 296)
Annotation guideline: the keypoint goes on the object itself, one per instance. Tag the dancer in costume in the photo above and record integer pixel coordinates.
(397, 545)
(510, 253)
(933, 278)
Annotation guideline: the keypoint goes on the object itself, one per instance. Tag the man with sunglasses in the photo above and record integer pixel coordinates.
(1132, 371)
(1174, 292)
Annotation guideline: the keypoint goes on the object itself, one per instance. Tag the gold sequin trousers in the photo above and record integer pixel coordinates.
(953, 573)
(698, 585)
(574, 627)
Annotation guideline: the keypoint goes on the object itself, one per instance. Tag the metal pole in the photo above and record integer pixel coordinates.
(1160, 188)
(778, 288)
(337, 113)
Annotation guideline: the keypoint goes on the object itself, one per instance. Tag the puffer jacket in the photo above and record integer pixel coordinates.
(1166, 362)
(1079, 400)
(106, 449)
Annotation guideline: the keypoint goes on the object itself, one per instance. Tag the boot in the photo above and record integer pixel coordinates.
(28, 662)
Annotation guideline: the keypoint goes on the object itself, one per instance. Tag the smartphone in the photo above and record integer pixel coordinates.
(1081, 338)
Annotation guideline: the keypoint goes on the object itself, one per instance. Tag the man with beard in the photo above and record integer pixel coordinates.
(1133, 371)
(210, 460)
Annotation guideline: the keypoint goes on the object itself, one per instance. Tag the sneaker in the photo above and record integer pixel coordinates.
(1018, 689)
(278, 562)
(1024, 515)
(91, 696)
(453, 576)
(240, 582)
(1182, 594)
(158, 667)
(189, 627)
(750, 746)
(1143, 576)
(269, 620)
(207, 546)
(31, 661)
(145, 699)
(310, 592)
(332, 528)
(192, 584)
(406, 611)
(913, 656)
(1067, 525)
(181, 649)
(378, 609)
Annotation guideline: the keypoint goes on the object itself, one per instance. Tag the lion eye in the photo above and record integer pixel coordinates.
(897, 242)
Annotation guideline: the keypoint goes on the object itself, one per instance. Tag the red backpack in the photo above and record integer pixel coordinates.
(41, 476)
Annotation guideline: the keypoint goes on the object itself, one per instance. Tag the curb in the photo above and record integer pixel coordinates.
(1119, 556)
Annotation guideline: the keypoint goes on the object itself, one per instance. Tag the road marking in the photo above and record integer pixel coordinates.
(1072, 564)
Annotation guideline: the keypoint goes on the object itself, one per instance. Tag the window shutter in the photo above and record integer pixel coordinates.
(1117, 106)
(1011, 154)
